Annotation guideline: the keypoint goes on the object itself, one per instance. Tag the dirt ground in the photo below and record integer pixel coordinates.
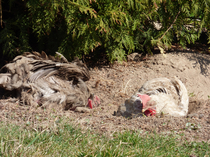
(114, 84)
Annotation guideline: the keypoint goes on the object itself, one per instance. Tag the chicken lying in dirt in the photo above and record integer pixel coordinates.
(157, 96)
(42, 80)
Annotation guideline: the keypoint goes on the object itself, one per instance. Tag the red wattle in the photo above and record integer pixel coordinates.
(150, 112)
(90, 103)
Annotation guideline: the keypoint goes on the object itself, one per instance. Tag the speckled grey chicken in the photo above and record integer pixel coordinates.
(44, 81)
(159, 95)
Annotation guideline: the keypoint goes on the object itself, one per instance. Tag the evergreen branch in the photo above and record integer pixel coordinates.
(85, 9)
(85, 26)
(147, 17)
(170, 25)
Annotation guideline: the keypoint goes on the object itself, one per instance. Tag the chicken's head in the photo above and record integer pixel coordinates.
(144, 99)
(93, 101)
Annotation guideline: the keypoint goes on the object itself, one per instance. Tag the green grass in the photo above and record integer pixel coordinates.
(66, 140)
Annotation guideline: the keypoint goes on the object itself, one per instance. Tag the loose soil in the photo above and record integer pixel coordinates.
(114, 84)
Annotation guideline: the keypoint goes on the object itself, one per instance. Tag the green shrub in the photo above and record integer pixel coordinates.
(78, 27)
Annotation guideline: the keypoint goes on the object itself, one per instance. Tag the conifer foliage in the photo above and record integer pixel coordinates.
(78, 27)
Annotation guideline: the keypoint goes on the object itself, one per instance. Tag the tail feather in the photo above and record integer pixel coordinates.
(62, 57)
(182, 92)
(44, 55)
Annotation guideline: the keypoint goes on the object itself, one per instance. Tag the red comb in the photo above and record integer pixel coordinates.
(144, 98)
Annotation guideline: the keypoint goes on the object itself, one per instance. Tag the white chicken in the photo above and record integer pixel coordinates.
(159, 95)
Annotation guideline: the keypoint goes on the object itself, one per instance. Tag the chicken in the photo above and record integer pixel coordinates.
(44, 82)
(157, 96)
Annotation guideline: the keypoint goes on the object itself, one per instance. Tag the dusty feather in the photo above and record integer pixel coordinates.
(41, 81)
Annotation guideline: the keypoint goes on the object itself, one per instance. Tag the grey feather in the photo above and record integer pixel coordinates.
(46, 82)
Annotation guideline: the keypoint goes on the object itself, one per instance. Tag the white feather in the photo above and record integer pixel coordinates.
(167, 96)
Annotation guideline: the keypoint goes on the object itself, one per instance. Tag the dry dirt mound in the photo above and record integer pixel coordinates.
(191, 68)
(117, 83)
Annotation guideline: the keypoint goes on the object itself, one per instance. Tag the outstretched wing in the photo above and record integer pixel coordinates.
(47, 81)
(66, 71)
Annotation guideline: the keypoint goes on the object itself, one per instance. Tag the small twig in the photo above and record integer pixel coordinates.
(171, 25)
(147, 16)
(117, 69)
(126, 85)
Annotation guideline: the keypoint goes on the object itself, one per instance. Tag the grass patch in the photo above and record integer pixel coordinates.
(66, 140)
